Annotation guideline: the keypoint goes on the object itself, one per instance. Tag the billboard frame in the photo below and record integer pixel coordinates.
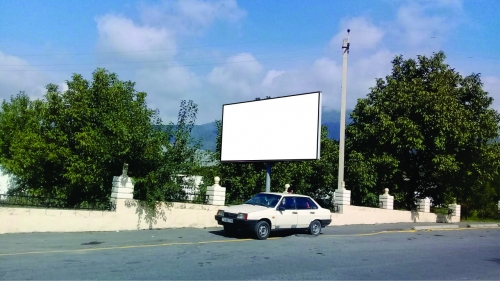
(318, 131)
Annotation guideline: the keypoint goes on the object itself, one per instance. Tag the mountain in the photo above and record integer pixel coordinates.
(331, 119)
(208, 132)
(208, 135)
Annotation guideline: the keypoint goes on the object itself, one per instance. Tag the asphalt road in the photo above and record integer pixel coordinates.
(383, 252)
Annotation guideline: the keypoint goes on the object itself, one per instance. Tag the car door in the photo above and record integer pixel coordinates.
(306, 211)
(286, 216)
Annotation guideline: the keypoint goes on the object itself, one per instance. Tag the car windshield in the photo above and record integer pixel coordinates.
(266, 200)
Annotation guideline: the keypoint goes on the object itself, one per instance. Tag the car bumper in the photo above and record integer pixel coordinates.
(325, 223)
(237, 223)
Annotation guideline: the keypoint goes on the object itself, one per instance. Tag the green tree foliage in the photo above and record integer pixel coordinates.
(70, 144)
(483, 202)
(177, 156)
(424, 130)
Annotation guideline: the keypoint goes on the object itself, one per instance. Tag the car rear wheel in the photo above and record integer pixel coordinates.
(262, 230)
(315, 228)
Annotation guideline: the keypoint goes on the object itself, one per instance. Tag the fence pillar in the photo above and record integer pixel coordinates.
(123, 188)
(341, 198)
(454, 212)
(216, 193)
(386, 201)
(424, 205)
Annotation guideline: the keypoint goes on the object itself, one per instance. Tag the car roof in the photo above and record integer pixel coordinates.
(284, 194)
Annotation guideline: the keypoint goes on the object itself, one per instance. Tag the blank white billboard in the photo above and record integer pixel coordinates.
(268, 130)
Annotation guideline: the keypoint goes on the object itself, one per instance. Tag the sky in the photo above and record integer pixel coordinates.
(224, 51)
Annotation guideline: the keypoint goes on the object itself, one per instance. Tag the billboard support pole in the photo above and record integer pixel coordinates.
(268, 177)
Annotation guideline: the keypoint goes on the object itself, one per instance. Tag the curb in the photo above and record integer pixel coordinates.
(435, 227)
(483, 225)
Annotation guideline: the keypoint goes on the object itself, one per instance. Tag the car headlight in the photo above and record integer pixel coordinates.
(242, 216)
(220, 213)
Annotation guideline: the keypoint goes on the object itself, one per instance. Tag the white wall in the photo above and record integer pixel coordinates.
(129, 215)
(4, 183)
(364, 215)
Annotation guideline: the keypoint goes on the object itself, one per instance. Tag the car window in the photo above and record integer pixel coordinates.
(272, 201)
(266, 200)
(302, 203)
(288, 203)
(312, 204)
(305, 203)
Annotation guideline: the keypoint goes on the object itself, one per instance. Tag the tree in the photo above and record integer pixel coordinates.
(177, 156)
(72, 143)
(21, 144)
(317, 178)
(423, 131)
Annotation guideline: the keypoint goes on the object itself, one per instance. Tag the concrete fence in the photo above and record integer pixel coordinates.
(131, 214)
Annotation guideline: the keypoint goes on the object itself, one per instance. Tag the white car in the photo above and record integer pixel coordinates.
(268, 211)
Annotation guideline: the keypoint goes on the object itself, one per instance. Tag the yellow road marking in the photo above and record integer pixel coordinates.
(369, 234)
(133, 246)
(398, 231)
(219, 241)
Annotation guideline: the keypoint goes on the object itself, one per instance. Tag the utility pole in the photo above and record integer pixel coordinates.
(268, 177)
(345, 47)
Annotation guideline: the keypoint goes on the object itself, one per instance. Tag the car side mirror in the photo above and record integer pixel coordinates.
(281, 208)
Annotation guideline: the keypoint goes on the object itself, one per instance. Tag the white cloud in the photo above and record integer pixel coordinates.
(242, 77)
(167, 87)
(63, 87)
(364, 34)
(454, 4)
(325, 75)
(239, 77)
(191, 16)
(120, 34)
(203, 13)
(426, 24)
(491, 84)
(322, 74)
(17, 75)
(270, 76)
(160, 27)
(364, 73)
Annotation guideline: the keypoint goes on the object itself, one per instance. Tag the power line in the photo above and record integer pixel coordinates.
(171, 66)
(146, 50)
(166, 66)
(168, 60)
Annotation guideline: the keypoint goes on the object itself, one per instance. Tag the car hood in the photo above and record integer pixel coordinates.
(244, 208)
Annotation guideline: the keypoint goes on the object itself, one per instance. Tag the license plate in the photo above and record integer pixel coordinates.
(227, 220)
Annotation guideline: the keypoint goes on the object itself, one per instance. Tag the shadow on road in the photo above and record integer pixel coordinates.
(247, 234)
(238, 235)
(494, 260)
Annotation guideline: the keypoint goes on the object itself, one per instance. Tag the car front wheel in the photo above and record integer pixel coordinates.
(315, 228)
(262, 230)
